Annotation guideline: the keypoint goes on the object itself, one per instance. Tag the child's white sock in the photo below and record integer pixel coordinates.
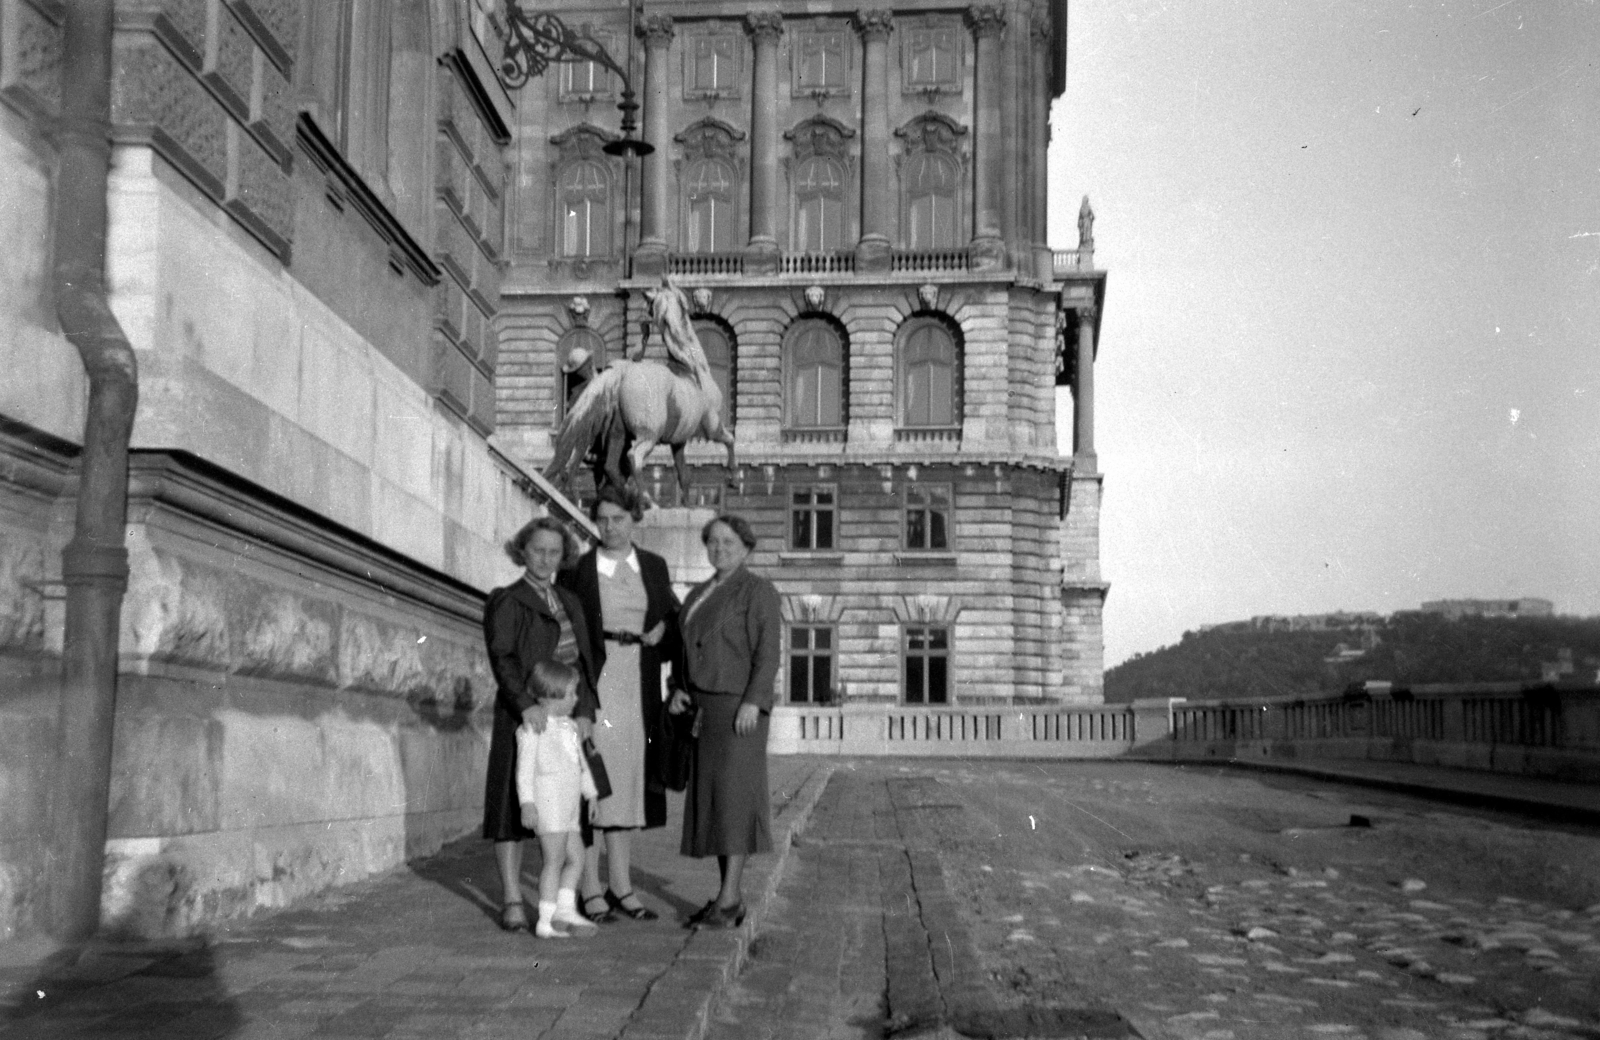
(567, 909)
(547, 928)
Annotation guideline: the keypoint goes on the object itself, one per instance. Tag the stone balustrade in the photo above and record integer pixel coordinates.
(982, 731)
(1532, 729)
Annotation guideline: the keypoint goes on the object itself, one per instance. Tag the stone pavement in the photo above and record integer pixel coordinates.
(416, 953)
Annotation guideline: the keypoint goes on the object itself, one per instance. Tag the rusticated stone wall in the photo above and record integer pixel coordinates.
(298, 707)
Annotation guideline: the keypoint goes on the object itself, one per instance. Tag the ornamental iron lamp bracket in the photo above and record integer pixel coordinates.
(534, 41)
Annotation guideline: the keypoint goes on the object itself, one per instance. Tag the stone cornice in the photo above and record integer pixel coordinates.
(655, 30)
(764, 26)
(202, 491)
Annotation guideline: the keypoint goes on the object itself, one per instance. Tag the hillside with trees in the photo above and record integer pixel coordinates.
(1250, 661)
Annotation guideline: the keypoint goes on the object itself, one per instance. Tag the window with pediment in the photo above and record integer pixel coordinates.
(820, 173)
(927, 375)
(932, 184)
(709, 178)
(584, 193)
(931, 57)
(820, 62)
(713, 63)
(814, 376)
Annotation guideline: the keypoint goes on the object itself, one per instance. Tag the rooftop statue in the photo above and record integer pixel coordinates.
(632, 405)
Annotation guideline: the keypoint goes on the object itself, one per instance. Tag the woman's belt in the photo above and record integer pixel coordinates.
(625, 638)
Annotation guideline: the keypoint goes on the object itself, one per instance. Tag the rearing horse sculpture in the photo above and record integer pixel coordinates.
(631, 406)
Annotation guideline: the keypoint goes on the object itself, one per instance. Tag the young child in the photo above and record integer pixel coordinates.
(551, 775)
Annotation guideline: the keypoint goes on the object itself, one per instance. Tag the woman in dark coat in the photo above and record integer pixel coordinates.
(528, 621)
(627, 597)
(732, 635)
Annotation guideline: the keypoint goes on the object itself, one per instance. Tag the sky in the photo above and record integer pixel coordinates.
(1350, 351)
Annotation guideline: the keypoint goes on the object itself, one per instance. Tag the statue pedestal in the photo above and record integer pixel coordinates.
(674, 534)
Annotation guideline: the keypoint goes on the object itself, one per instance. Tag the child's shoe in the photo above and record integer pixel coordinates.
(566, 911)
(548, 928)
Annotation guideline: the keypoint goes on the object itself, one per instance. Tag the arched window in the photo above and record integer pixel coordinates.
(927, 376)
(931, 182)
(578, 355)
(709, 186)
(819, 184)
(813, 360)
(584, 190)
(719, 355)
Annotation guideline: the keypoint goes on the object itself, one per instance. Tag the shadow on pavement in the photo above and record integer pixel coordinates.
(133, 988)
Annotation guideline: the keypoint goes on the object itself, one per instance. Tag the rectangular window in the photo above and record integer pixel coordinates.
(810, 664)
(715, 63)
(930, 58)
(927, 664)
(928, 517)
(819, 63)
(811, 517)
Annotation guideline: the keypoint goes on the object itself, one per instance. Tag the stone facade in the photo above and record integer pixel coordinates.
(305, 249)
(873, 181)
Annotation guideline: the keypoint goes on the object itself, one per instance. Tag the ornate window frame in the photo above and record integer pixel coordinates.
(567, 93)
(934, 134)
(829, 34)
(582, 145)
(731, 387)
(932, 29)
(713, 33)
(822, 138)
(711, 140)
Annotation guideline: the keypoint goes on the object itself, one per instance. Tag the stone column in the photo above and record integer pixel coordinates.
(1038, 233)
(765, 27)
(650, 260)
(875, 250)
(1083, 455)
(988, 23)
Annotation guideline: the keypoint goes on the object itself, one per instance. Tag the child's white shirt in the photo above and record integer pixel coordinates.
(550, 765)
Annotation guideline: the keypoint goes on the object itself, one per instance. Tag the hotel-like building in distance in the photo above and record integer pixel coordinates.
(854, 198)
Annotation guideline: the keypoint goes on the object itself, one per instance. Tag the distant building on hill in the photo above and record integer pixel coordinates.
(1338, 621)
(1528, 606)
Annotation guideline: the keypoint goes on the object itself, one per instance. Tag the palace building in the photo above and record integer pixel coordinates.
(855, 201)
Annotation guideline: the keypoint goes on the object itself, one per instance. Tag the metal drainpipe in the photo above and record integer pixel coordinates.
(94, 565)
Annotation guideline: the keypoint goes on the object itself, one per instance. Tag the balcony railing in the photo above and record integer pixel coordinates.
(985, 732)
(1071, 261)
(819, 263)
(931, 260)
(706, 263)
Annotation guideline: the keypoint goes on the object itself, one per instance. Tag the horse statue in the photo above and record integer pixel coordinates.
(632, 405)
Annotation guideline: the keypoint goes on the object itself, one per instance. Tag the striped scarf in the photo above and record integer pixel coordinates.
(567, 643)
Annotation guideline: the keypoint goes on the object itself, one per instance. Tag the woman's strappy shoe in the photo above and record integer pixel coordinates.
(514, 917)
(604, 914)
(639, 912)
(723, 917)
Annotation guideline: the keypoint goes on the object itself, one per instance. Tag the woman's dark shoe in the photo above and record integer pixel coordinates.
(514, 917)
(602, 915)
(638, 911)
(723, 917)
(700, 914)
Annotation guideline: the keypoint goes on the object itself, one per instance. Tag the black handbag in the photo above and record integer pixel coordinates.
(597, 769)
(676, 735)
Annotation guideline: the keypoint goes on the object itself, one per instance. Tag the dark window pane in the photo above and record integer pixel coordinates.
(939, 638)
(821, 678)
(824, 523)
(916, 529)
(822, 638)
(914, 680)
(797, 679)
(936, 531)
(938, 692)
(802, 529)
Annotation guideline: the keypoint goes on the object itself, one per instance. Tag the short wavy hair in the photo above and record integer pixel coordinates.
(516, 546)
(625, 500)
(737, 524)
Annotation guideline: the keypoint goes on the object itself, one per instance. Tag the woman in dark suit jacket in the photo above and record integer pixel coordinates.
(627, 597)
(523, 623)
(732, 635)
